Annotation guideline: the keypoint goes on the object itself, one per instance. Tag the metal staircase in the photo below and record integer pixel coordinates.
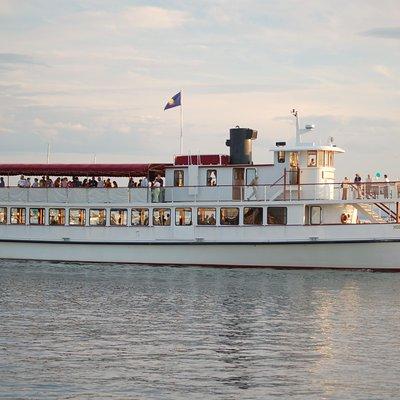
(368, 210)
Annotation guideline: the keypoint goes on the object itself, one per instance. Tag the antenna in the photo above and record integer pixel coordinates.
(299, 132)
(296, 115)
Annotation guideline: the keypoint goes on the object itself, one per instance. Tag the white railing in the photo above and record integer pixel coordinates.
(377, 191)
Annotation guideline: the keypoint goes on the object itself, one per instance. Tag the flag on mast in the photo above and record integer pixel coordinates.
(174, 101)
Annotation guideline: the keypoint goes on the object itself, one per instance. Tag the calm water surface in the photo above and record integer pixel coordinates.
(124, 331)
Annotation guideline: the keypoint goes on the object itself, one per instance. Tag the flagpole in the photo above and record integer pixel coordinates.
(181, 137)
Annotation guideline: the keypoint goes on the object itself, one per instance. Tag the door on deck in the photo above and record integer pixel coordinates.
(237, 183)
(294, 168)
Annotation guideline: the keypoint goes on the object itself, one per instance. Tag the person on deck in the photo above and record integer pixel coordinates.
(253, 184)
(2, 184)
(357, 182)
(100, 183)
(345, 188)
(386, 187)
(22, 182)
(144, 183)
(35, 183)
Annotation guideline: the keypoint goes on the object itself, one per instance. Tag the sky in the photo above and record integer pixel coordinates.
(91, 78)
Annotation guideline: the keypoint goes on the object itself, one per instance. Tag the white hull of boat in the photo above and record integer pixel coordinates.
(379, 255)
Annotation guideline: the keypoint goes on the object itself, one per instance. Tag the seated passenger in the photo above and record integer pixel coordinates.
(35, 183)
(42, 182)
(114, 184)
(107, 183)
(2, 184)
(22, 182)
(64, 182)
(92, 182)
(100, 183)
(144, 183)
(49, 182)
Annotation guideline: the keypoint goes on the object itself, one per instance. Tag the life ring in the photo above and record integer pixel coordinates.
(343, 218)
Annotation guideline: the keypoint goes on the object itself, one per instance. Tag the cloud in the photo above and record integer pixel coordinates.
(154, 17)
(384, 33)
(13, 58)
(383, 71)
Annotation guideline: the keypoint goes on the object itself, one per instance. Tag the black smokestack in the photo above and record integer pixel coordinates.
(240, 145)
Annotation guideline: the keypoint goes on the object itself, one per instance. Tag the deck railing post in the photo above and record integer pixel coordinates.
(298, 183)
(284, 184)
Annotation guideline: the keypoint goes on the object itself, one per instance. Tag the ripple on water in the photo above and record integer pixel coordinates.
(123, 331)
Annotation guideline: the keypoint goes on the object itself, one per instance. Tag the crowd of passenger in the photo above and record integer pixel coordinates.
(367, 188)
(75, 182)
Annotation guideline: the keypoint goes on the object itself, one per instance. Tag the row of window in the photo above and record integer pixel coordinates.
(211, 177)
(320, 158)
(140, 216)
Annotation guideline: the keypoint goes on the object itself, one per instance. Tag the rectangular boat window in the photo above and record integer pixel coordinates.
(36, 216)
(331, 156)
(97, 217)
(3, 215)
(294, 159)
(119, 217)
(183, 216)
(162, 217)
(140, 217)
(229, 216)
(206, 216)
(179, 178)
(253, 216)
(211, 177)
(57, 216)
(277, 215)
(315, 215)
(281, 157)
(17, 216)
(77, 216)
(311, 158)
(251, 173)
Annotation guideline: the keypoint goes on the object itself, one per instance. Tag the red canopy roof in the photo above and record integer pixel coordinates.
(82, 169)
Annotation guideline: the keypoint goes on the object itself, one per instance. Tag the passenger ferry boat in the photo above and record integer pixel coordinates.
(213, 210)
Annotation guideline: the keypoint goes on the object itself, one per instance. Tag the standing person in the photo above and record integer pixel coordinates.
(386, 187)
(357, 181)
(159, 179)
(155, 191)
(253, 184)
(2, 184)
(368, 186)
(345, 188)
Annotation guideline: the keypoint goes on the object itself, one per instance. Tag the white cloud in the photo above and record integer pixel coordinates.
(383, 71)
(154, 17)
